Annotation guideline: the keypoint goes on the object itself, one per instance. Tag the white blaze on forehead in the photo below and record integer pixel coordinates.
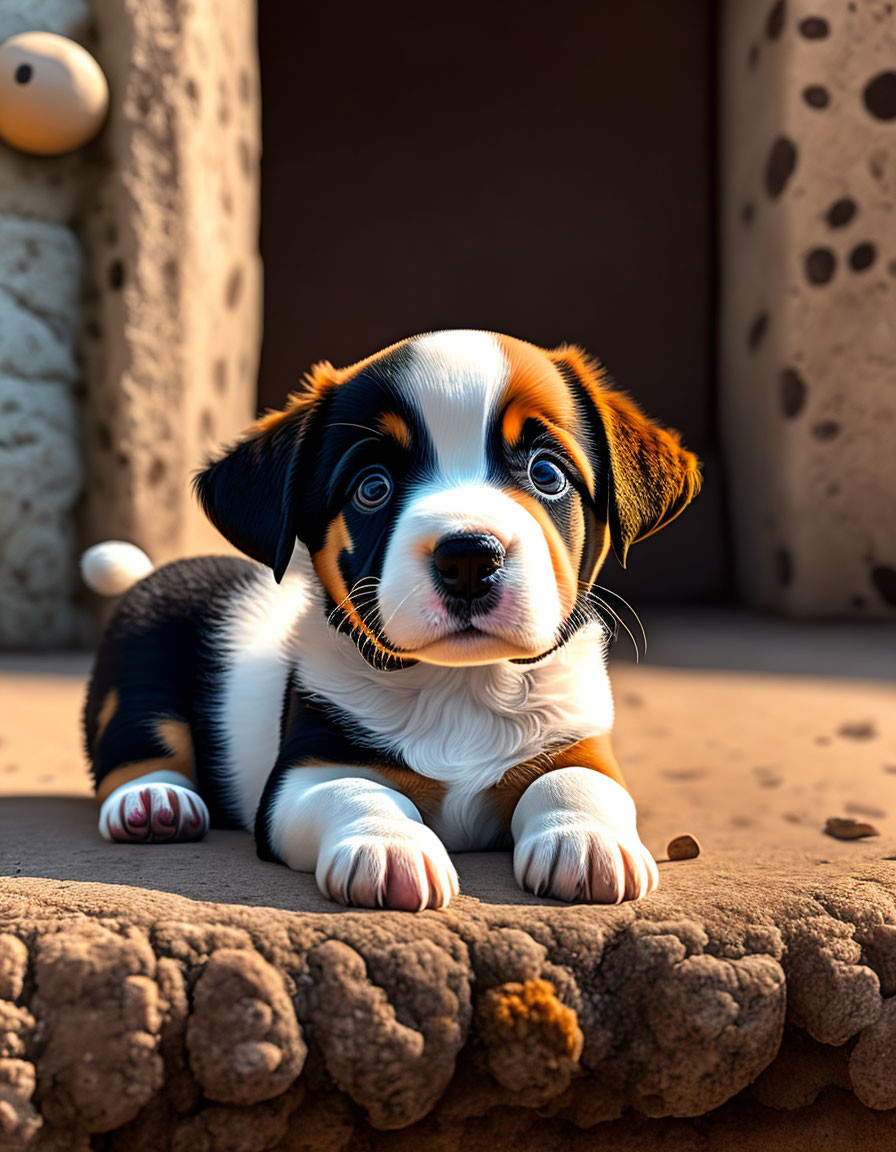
(454, 379)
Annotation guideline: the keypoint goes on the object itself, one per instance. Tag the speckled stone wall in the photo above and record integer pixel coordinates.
(41, 466)
(172, 325)
(808, 309)
(130, 294)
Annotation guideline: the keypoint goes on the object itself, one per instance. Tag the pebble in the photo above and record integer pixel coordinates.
(684, 847)
(845, 828)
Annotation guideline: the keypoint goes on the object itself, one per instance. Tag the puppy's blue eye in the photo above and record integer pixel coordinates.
(373, 491)
(547, 476)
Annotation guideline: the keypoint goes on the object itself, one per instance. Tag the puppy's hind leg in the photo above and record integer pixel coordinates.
(145, 776)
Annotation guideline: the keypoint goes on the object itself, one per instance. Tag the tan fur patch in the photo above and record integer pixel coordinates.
(107, 711)
(326, 565)
(426, 793)
(393, 425)
(534, 389)
(595, 752)
(561, 561)
(175, 735)
(653, 476)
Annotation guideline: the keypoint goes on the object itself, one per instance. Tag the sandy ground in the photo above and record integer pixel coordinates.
(745, 732)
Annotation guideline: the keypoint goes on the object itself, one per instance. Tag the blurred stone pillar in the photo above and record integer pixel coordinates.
(808, 306)
(41, 466)
(144, 243)
(173, 298)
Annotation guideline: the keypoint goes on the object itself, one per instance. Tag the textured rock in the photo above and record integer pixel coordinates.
(173, 293)
(745, 1004)
(165, 205)
(872, 1065)
(98, 1016)
(244, 1041)
(667, 1009)
(40, 317)
(808, 348)
(40, 454)
(534, 1042)
(395, 1058)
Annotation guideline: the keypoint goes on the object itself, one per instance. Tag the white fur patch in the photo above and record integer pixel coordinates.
(364, 841)
(528, 613)
(576, 838)
(455, 379)
(256, 641)
(463, 726)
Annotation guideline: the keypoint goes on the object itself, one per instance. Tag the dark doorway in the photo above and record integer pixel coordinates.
(540, 171)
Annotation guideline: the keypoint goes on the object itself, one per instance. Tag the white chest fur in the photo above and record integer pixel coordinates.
(463, 726)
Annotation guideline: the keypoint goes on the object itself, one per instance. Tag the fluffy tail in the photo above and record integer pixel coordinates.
(112, 567)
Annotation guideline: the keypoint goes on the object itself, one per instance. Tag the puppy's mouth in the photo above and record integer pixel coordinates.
(471, 643)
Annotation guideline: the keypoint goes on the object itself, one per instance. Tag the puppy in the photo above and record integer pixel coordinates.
(411, 662)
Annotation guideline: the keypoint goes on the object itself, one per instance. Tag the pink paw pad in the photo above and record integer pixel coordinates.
(154, 813)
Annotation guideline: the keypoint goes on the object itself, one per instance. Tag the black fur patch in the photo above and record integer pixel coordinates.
(158, 654)
(315, 734)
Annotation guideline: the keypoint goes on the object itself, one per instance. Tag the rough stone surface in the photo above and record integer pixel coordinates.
(670, 1009)
(40, 453)
(225, 1004)
(41, 469)
(165, 205)
(244, 1043)
(173, 294)
(807, 298)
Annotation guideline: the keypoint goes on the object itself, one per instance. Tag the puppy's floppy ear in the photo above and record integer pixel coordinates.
(651, 477)
(251, 493)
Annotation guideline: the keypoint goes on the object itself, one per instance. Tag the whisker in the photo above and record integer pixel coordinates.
(416, 588)
(623, 600)
(349, 424)
(357, 586)
(620, 621)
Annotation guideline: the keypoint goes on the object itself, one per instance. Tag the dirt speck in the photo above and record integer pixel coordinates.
(846, 828)
(857, 730)
(684, 847)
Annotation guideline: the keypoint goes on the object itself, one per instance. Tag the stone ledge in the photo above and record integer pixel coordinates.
(773, 974)
(747, 1003)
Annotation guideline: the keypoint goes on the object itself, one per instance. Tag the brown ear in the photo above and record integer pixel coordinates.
(651, 477)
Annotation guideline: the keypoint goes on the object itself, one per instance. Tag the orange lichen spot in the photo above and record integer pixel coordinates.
(533, 1040)
(534, 1004)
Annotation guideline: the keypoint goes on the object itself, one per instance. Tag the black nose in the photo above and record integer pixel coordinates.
(466, 564)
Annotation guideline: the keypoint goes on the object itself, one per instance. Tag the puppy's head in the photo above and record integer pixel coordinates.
(457, 492)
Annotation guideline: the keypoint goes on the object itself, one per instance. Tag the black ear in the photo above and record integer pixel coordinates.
(651, 476)
(250, 494)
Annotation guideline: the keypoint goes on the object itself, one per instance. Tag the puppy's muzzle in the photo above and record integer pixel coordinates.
(467, 567)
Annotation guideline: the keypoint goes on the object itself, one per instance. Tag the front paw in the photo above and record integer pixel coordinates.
(588, 862)
(387, 864)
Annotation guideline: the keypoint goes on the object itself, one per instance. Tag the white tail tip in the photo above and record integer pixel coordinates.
(112, 567)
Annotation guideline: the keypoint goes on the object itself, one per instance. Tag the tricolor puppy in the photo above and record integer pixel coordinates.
(411, 663)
